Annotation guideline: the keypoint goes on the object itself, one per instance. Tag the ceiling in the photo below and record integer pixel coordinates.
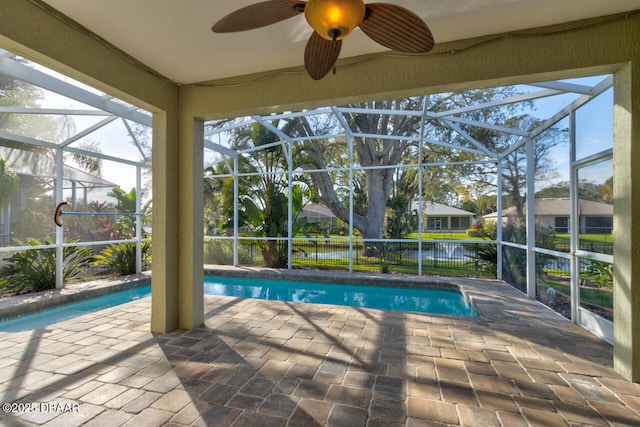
(174, 38)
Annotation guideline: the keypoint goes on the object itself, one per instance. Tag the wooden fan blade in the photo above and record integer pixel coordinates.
(259, 15)
(320, 55)
(397, 28)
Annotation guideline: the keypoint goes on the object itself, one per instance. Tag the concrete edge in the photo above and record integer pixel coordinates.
(20, 305)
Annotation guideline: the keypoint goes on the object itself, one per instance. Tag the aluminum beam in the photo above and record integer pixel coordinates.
(15, 69)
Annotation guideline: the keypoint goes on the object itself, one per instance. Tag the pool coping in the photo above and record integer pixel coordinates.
(471, 288)
(336, 276)
(20, 305)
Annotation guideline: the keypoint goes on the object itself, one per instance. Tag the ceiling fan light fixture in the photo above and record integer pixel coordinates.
(334, 19)
(390, 25)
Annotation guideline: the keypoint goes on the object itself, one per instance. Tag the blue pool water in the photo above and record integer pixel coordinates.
(436, 301)
(69, 311)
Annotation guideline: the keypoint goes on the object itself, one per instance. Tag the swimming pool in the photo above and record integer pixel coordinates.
(431, 300)
(424, 300)
(44, 318)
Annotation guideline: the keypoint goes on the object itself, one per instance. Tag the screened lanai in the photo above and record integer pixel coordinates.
(63, 144)
(519, 42)
(486, 139)
(527, 146)
(482, 130)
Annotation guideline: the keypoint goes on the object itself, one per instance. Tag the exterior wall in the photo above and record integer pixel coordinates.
(550, 221)
(546, 220)
(626, 219)
(326, 223)
(605, 45)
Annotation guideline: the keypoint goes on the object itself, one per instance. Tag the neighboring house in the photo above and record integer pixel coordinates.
(441, 218)
(595, 217)
(321, 215)
(76, 185)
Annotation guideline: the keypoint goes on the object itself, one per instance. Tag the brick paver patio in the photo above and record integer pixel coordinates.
(265, 363)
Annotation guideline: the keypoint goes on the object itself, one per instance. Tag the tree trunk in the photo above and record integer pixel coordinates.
(369, 151)
(379, 186)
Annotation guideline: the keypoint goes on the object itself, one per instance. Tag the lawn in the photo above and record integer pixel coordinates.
(600, 243)
(410, 236)
(442, 236)
(464, 269)
(586, 238)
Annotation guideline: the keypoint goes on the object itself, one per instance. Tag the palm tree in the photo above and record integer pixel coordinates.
(264, 200)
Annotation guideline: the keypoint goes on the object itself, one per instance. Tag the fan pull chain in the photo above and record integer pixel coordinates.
(335, 34)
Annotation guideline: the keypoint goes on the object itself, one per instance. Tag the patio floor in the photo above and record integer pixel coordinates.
(265, 363)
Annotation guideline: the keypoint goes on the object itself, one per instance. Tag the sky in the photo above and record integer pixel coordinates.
(594, 134)
(112, 139)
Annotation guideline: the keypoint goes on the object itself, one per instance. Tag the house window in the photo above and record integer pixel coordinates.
(455, 223)
(434, 223)
(598, 224)
(465, 223)
(460, 223)
(562, 224)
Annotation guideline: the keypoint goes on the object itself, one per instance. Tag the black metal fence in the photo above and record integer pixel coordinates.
(446, 258)
(596, 247)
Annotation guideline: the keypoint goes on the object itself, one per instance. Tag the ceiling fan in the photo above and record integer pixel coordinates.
(390, 25)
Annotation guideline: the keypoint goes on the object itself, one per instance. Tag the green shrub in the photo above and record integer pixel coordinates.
(473, 232)
(34, 270)
(486, 257)
(514, 259)
(120, 258)
(220, 252)
(600, 272)
(385, 253)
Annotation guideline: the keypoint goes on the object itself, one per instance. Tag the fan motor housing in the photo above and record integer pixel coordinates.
(334, 19)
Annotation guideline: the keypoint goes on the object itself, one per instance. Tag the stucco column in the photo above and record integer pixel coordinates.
(626, 223)
(177, 291)
(164, 300)
(191, 223)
